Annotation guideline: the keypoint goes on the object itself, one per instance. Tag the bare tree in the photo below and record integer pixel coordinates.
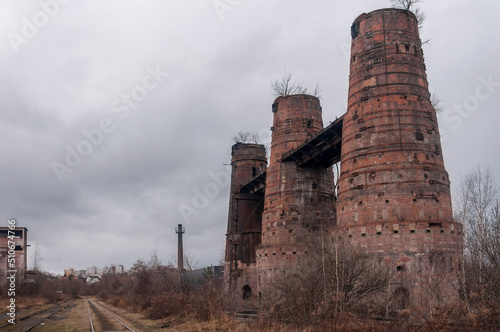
(317, 90)
(478, 209)
(436, 102)
(285, 86)
(255, 138)
(241, 137)
(405, 4)
(409, 5)
(331, 278)
(154, 261)
(37, 258)
(246, 137)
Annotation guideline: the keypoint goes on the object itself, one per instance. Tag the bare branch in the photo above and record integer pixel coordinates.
(478, 209)
(409, 5)
(255, 138)
(343, 273)
(405, 4)
(317, 90)
(246, 137)
(419, 14)
(436, 102)
(285, 87)
(241, 137)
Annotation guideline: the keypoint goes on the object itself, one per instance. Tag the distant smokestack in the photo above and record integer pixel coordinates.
(180, 255)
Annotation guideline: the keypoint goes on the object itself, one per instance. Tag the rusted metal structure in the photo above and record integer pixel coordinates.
(393, 191)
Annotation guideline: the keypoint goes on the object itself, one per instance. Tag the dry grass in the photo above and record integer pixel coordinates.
(131, 316)
(221, 324)
(72, 319)
(23, 302)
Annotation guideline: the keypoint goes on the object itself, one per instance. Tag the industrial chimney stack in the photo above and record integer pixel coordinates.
(180, 254)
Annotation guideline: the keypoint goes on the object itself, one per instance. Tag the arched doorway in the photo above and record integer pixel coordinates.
(246, 291)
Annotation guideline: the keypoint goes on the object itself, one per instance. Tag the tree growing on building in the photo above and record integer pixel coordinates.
(409, 5)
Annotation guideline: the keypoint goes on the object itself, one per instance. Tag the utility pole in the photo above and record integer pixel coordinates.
(180, 255)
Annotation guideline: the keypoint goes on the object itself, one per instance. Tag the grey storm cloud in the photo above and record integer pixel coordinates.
(151, 151)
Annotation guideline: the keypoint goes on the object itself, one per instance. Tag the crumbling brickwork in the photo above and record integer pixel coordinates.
(297, 200)
(245, 213)
(393, 192)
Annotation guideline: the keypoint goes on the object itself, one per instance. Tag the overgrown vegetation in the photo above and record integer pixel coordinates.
(478, 209)
(47, 287)
(160, 291)
(246, 137)
(333, 278)
(410, 5)
(285, 86)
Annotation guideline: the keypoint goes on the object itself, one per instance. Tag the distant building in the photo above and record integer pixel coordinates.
(91, 271)
(92, 279)
(70, 272)
(197, 277)
(13, 258)
(120, 269)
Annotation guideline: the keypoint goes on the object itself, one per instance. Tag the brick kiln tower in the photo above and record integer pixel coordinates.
(245, 214)
(394, 191)
(297, 199)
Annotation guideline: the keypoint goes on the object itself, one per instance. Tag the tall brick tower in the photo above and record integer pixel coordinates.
(245, 215)
(394, 191)
(298, 200)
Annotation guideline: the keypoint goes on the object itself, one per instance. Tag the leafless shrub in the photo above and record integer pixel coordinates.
(168, 304)
(160, 291)
(436, 103)
(209, 300)
(334, 277)
(286, 87)
(420, 15)
(405, 4)
(409, 5)
(246, 137)
(478, 209)
(317, 90)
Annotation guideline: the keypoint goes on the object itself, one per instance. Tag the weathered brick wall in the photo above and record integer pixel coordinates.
(245, 214)
(394, 192)
(298, 200)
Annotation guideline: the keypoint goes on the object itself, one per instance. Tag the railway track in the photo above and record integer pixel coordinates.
(84, 314)
(106, 319)
(29, 322)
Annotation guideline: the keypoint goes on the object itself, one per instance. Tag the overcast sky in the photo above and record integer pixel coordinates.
(117, 116)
